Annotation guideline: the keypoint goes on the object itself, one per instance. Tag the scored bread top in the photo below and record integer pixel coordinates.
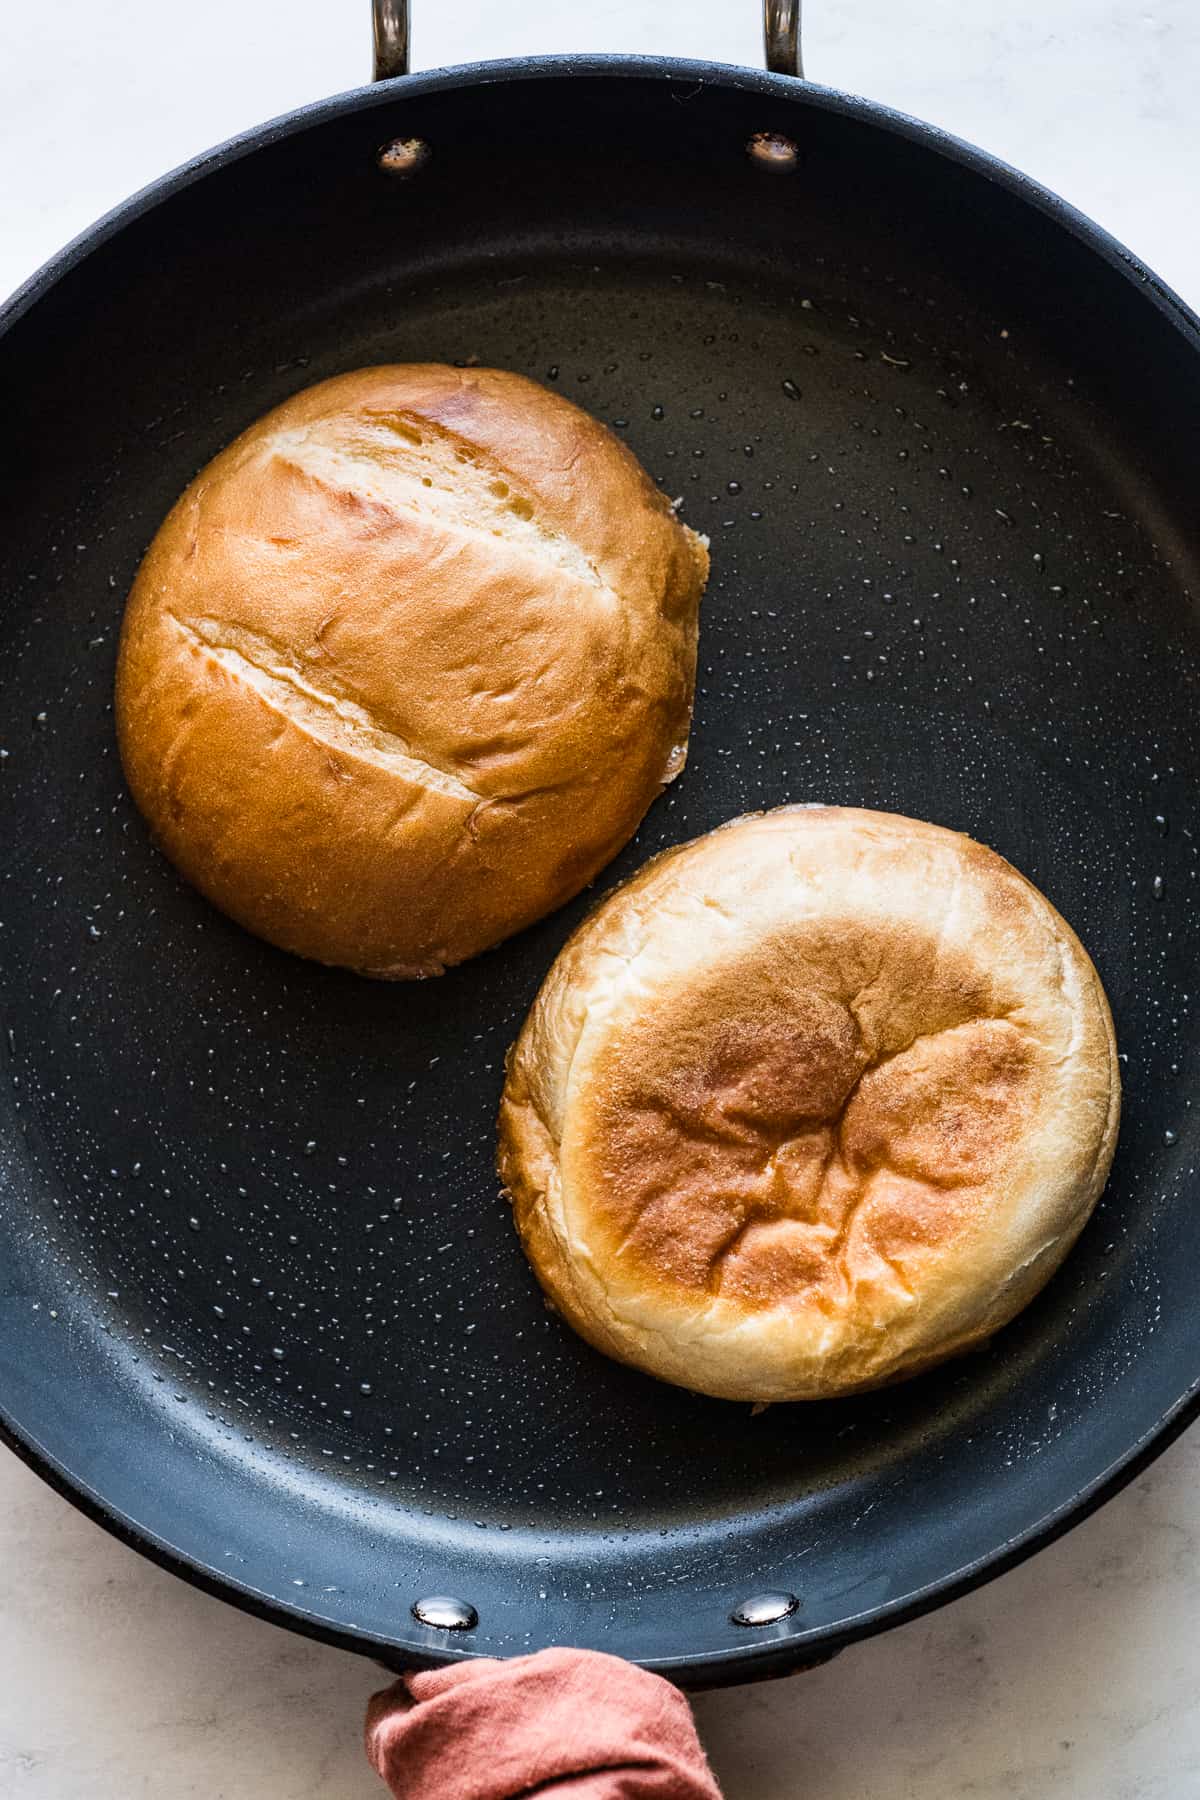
(406, 664)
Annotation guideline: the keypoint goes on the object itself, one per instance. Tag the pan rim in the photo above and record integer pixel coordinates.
(709, 1669)
(740, 1662)
(378, 95)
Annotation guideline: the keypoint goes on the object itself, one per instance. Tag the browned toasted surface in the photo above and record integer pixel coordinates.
(811, 1103)
(406, 664)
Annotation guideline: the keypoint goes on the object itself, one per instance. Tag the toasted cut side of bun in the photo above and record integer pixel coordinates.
(808, 1105)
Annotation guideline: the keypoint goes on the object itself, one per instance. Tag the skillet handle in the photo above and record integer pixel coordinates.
(781, 37)
(390, 19)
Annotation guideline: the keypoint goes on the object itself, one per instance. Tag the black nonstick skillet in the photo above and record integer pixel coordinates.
(262, 1309)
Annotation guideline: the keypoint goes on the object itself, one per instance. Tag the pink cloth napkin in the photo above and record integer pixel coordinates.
(568, 1723)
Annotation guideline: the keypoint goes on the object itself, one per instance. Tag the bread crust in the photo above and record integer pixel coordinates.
(406, 664)
(810, 1104)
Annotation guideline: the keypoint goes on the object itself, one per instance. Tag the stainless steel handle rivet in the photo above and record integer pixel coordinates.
(403, 156)
(445, 1613)
(771, 150)
(764, 1609)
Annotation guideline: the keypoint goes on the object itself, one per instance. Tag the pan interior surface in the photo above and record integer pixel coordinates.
(262, 1304)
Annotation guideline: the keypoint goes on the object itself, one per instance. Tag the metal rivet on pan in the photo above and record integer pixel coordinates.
(771, 150)
(403, 156)
(764, 1609)
(445, 1613)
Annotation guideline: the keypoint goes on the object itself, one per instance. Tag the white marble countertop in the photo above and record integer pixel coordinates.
(1077, 1676)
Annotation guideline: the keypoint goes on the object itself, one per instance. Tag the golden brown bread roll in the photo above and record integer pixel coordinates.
(407, 663)
(810, 1104)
